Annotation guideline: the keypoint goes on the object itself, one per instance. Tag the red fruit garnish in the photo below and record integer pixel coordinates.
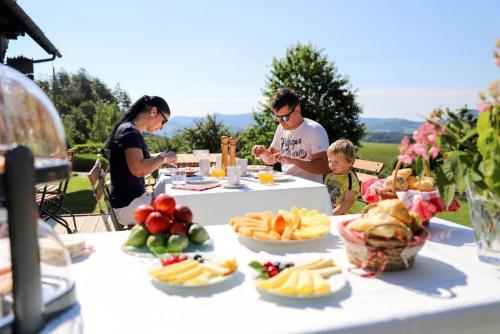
(157, 223)
(167, 261)
(267, 264)
(182, 213)
(142, 212)
(272, 271)
(165, 204)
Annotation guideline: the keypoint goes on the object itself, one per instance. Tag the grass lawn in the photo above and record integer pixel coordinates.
(379, 152)
(79, 196)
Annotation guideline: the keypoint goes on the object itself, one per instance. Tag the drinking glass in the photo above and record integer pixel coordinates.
(233, 175)
(266, 175)
(179, 177)
(243, 164)
(205, 167)
(218, 173)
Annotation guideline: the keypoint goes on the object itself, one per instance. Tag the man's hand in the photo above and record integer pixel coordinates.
(258, 151)
(284, 159)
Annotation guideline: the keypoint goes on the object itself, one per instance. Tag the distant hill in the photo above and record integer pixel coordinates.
(390, 125)
(242, 121)
(234, 122)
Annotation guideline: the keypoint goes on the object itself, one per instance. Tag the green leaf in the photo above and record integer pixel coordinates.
(419, 166)
(448, 194)
(483, 122)
(260, 268)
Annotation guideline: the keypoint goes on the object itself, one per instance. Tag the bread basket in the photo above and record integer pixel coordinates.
(376, 255)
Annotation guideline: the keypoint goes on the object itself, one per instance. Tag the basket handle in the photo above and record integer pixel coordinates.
(396, 170)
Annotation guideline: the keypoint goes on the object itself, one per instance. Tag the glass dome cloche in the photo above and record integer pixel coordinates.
(28, 117)
(35, 281)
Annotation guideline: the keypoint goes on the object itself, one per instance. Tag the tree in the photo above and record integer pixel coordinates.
(326, 96)
(104, 119)
(86, 105)
(204, 135)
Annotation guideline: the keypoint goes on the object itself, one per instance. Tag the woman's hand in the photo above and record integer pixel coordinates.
(169, 158)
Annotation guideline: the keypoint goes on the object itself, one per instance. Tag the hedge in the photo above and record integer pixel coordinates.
(89, 147)
(83, 162)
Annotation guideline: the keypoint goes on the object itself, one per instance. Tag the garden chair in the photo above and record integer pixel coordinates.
(50, 200)
(97, 179)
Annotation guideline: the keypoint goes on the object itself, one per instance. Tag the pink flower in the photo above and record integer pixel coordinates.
(420, 149)
(434, 151)
(497, 61)
(406, 155)
(482, 107)
(405, 159)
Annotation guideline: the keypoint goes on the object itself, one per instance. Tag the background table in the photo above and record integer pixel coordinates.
(447, 291)
(218, 205)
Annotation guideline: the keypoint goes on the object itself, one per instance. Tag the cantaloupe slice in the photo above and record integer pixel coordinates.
(278, 224)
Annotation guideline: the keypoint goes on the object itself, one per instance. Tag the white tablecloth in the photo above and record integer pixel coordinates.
(447, 291)
(217, 205)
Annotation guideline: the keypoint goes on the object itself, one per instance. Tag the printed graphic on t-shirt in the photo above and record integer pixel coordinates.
(292, 147)
(334, 190)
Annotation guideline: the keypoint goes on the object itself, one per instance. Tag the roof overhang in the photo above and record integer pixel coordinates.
(15, 22)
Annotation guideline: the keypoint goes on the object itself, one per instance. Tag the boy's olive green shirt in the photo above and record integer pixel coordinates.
(338, 185)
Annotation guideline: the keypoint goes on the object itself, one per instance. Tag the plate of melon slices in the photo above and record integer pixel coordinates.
(192, 271)
(282, 228)
(310, 279)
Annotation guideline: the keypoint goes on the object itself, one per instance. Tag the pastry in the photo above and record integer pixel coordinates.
(401, 184)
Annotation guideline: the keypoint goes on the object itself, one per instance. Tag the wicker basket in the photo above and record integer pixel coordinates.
(381, 255)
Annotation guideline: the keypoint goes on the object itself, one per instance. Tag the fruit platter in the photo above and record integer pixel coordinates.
(296, 225)
(192, 271)
(312, 279)
(164, 228)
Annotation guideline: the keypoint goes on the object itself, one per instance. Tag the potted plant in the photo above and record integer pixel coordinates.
(470, 145)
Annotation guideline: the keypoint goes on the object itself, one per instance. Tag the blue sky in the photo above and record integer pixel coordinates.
(404, 57)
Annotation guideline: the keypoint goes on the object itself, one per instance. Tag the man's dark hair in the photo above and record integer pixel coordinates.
(284, 97)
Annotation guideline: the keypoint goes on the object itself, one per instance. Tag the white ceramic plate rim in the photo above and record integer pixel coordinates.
(200, 180)
(281, 242)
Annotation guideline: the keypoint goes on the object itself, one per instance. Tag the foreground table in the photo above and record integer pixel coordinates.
(447, 291)
(217, 205)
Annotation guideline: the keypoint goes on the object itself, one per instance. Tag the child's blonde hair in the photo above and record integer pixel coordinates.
(344, 148)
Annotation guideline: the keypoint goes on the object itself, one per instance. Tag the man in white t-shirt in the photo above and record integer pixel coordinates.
(299, 143)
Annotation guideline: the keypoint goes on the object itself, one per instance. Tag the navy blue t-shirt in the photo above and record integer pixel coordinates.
(125, 186)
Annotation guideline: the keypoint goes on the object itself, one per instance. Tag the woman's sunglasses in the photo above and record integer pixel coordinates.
(165, 119)
(286, 117)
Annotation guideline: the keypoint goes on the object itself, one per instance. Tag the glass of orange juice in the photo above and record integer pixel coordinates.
(266, 175)
(218, 173)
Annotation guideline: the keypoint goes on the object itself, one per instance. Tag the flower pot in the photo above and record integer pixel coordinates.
(485, 216)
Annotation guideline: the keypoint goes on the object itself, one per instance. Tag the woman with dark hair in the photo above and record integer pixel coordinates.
(129, 157)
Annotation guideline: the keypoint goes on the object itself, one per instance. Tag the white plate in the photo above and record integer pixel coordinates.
(231, 186)
(337, 282)
(255, 168)
(282, 177)
(280, 242)
(200, 180)
(211, 282)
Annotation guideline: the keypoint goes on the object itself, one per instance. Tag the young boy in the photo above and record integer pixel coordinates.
(342, 183)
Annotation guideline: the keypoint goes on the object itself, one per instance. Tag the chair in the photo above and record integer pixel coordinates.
(367, 170)
(97, 179)
(50, 200)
